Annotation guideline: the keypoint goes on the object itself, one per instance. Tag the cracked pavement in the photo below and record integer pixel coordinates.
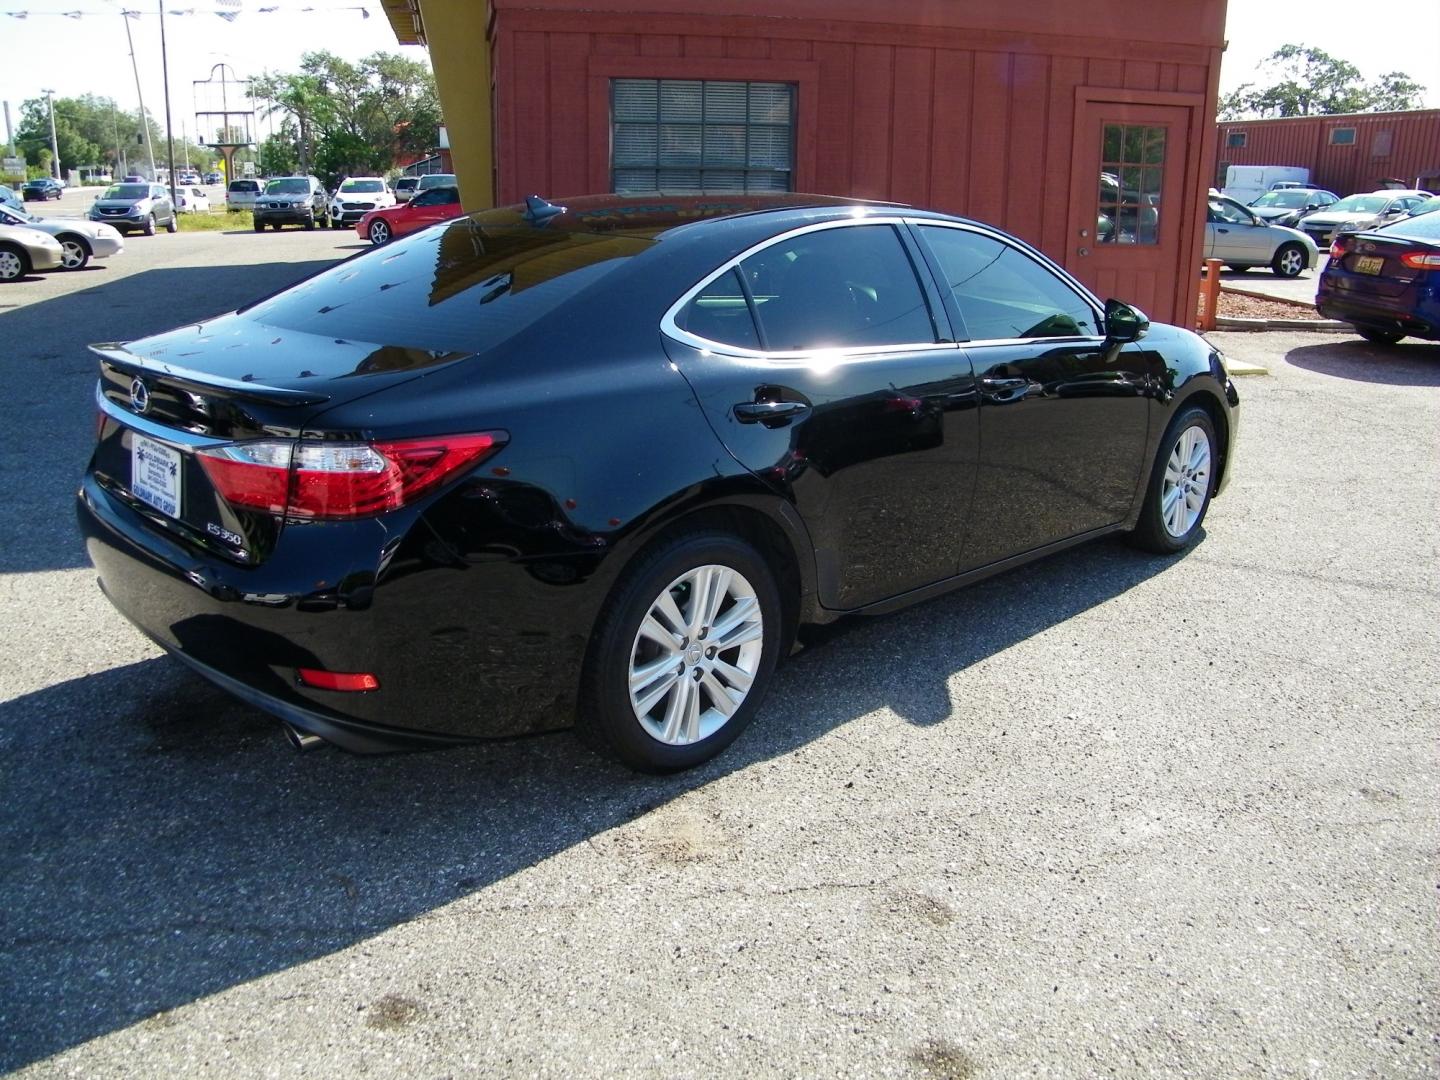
(1109, 814)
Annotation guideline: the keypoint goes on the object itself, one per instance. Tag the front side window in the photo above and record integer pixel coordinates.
(843, 288)
(684, 136)
(1003, 293)
(1225, 212)
(436, 197)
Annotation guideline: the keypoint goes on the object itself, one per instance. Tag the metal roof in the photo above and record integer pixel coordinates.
(404, 16)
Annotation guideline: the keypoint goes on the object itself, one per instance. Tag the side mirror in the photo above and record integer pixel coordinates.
(1124, 323)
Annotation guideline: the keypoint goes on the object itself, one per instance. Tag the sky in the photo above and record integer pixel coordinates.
(48, 50)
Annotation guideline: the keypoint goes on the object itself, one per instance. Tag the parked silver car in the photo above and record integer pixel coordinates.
(23, 250)
(1241, 240)
(80, 239)
(1355, 213)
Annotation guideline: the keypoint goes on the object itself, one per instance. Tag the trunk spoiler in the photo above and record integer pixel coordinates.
(116, 355)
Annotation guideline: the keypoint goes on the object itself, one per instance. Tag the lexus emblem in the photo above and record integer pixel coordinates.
(139, 395)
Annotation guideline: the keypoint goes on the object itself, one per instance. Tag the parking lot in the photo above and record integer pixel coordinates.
(1110, 814)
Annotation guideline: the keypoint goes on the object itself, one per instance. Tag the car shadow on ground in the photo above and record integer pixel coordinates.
(162, 843)
(44, 359)
(1410, 363)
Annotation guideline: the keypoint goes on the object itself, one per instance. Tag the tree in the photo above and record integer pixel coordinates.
(355, 117)
(1306, 81)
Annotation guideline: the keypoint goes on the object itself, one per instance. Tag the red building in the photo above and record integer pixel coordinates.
(1344, 153)
(1080, 125)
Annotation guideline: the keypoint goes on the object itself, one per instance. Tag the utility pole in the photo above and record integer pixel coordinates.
(144, 117)
(169, 128)
(54, 142)
(119, 155)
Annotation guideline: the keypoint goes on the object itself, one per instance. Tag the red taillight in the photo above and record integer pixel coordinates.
(339, 480)
(1421, 260)
(338, 680)
(1337, 249)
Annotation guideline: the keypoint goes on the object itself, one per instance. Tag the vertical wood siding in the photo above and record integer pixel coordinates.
(1304, 142)
(902, 113)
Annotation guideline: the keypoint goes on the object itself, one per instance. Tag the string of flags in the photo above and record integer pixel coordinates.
(234, 12)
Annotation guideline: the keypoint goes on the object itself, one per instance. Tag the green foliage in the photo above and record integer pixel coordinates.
(218, 220)
(1305, 81)
(278, 156)
(354, 118)
(89, 130)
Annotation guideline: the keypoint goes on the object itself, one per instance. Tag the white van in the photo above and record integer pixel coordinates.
(1246, 183)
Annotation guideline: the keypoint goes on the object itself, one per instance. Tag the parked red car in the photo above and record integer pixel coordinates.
(426, 208)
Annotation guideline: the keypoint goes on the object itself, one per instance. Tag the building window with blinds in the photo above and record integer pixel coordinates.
(688, 137)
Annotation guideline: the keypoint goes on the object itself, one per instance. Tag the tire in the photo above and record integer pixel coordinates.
(309, 224)
(150, 225)
(1164, 528)
(379, 233)
(336, 224)
(173, 225)
(1237, 269)
(1379, 337)
(77, 252)
(14, 263)
(259, 226)
(668, 736)
(1288, 261)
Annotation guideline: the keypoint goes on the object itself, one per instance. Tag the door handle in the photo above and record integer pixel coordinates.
(1222, 230)
(769, 413)
(1001, 391)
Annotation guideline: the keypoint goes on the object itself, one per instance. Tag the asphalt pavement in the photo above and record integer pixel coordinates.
(1108, 815)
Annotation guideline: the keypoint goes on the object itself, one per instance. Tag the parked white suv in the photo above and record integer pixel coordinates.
(357, 196)
(241, 194)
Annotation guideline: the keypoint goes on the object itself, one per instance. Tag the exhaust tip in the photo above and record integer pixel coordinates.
(302, 740)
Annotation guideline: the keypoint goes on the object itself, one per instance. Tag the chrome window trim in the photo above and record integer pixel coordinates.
(672, 330)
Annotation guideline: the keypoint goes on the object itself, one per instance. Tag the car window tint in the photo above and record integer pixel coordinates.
(720, 313)
(461, 286)
(838, 288)
(436, 197)
(1226, 212)
(1003, 292)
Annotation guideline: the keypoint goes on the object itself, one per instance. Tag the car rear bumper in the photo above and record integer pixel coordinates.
(1405, 314)
(441, 642)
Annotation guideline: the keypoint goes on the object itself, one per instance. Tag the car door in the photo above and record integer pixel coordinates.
(1064, 414)
(164, 209)
(1238, 236)
(825, 363)
(429, 207)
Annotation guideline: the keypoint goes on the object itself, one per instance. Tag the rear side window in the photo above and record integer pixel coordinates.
(1003, 293)
(457, 288)
(719, 312)
(850, 287)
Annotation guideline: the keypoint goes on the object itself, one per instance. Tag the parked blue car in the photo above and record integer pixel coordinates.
(1386, 282)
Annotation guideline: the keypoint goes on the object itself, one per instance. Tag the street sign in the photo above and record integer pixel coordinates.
(13, 164)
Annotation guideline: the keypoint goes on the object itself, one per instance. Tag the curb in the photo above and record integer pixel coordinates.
(1233, 322)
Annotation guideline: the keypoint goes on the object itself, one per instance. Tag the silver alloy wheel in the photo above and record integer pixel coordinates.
(74, 255)
(1291, 262)
(696, 655)
(1187, 481)
(379, 232)
(10, 266)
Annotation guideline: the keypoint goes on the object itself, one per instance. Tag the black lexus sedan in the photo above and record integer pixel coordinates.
(597, 463)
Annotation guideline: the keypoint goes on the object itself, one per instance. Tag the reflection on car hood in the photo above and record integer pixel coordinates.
(117, 204)
(1331, 218)
(1270, 213)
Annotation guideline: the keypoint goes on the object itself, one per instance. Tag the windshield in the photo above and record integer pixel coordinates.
(126, 191)
(1284, 200)
(288, 187)
(1359, 204)
(363, 185)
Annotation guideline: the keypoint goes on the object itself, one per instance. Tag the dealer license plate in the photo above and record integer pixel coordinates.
(155, 475)
(1369, 264)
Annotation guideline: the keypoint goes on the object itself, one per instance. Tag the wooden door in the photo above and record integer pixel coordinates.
(1128, 203)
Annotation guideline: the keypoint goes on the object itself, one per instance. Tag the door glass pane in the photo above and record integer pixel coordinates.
(1132, 167)
(1004, 293)
(847, 287)
(719, 313)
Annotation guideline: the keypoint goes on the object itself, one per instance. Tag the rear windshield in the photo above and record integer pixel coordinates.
(1424, 227)
(126, 191)
(406, 182)
(287, 187)
(462, 288)
(363, 185)
(245, 185)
